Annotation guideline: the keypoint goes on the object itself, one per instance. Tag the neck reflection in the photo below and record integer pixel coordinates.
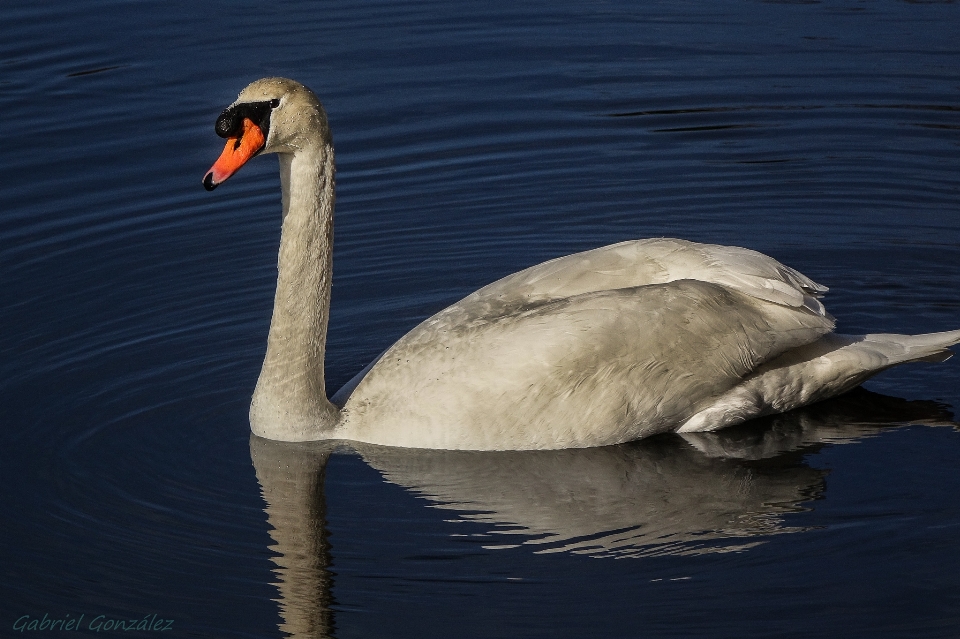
(291, 477)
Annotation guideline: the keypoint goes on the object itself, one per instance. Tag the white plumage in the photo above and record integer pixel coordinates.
(591, 349)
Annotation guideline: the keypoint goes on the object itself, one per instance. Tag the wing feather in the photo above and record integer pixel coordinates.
(658, 261)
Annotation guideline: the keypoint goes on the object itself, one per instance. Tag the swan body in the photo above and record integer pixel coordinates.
(591, 349)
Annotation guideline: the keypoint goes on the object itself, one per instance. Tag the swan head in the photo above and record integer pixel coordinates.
(272, 115)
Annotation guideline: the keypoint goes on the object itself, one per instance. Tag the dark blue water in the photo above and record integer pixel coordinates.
(473, 139)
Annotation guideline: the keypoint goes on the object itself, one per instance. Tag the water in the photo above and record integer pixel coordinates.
(472, 140)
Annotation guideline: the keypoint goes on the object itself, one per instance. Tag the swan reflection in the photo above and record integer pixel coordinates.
(680, 495)
(291, 479)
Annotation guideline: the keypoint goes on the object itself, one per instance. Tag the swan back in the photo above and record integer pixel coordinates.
(658, 261)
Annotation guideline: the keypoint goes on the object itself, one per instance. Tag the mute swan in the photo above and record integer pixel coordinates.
(596, 348)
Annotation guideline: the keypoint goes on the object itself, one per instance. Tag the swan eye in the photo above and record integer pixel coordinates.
(274, 103)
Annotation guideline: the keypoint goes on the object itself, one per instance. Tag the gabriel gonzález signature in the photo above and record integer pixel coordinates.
(100, 623)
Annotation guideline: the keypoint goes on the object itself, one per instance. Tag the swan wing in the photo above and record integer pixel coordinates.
(638, 263)
(658, 261)
(595, 368)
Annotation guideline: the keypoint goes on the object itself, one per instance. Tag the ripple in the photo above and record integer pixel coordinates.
(472, 141)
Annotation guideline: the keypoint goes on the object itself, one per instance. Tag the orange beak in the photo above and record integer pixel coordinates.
(235, 154)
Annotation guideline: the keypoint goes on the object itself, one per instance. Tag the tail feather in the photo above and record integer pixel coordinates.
(832, 365)
(929, 347)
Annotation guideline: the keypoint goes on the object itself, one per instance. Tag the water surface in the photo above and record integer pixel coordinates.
(472, 141)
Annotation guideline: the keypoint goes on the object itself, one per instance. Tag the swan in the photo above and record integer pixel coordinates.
(596, 348)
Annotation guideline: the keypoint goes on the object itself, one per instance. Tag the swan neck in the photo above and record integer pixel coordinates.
(290, 401)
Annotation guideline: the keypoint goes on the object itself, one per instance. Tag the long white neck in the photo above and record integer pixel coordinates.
(290, 402)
